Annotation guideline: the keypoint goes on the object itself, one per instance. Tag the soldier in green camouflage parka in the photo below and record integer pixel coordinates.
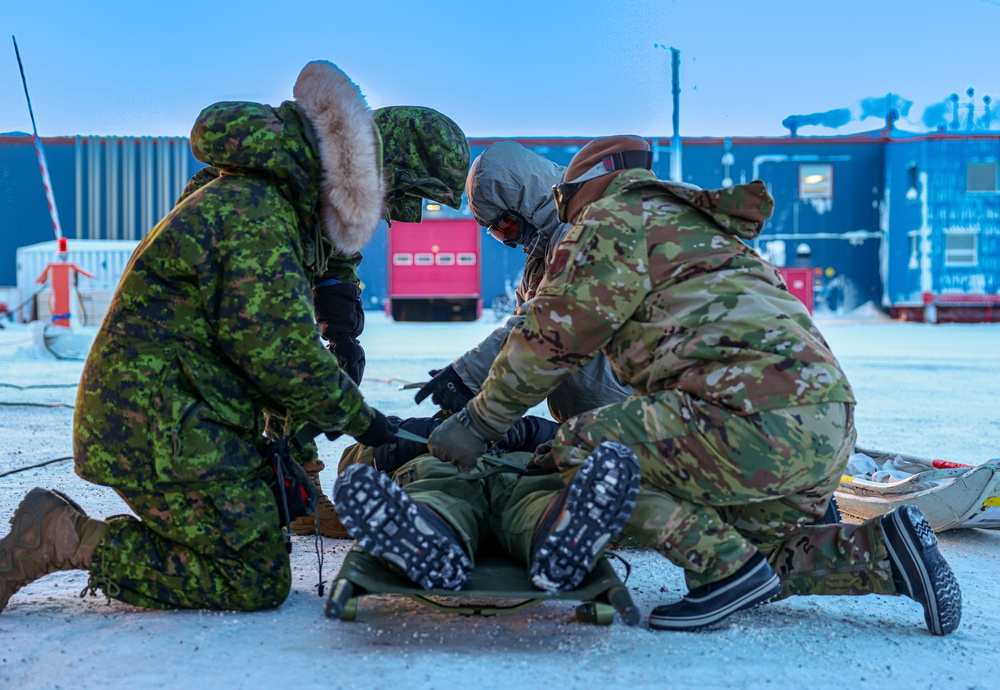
(742, 420)
(212, 324)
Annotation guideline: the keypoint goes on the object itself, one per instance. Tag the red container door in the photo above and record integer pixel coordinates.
(800, 284)
(434, 270)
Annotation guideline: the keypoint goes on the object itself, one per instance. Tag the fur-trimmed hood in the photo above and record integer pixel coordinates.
(322, 150)
(352, 192)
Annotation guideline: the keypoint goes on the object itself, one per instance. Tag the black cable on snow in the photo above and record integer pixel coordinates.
(35, 466)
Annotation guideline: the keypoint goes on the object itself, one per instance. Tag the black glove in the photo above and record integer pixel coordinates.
(542, 462)
(392, 456)
(382, 430)
(338, 309)
(527, 433)
(341, 320)
(350, 355)
(446, 390)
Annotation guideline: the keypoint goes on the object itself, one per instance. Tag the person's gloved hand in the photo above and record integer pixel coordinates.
(392, 456)
(446, 390)
(350, 355)
(542, 461)
(382, 430)
(341, 318)
(459, 440)
(527, 433)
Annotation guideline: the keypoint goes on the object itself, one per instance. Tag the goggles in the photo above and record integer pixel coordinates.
(507, 228)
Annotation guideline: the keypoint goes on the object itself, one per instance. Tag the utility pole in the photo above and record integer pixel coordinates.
(676, 169)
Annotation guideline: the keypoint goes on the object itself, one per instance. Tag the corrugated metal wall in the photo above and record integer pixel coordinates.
(107, 188)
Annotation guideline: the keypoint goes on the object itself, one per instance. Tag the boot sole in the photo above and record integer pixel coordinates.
(387, 524)
(600, 501)
(928, 577)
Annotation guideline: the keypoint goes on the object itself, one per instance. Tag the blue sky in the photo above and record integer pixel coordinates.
(512, 68)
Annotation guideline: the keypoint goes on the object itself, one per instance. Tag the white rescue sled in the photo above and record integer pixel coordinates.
(952, 496)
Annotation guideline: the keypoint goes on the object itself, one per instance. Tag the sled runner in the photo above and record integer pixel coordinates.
(499, 582)
(951, 495)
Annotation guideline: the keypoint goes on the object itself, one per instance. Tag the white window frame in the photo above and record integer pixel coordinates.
(816, 190)
(968, 166)
(961, 256)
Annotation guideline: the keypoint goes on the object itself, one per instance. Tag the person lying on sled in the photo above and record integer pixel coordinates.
(426, 518)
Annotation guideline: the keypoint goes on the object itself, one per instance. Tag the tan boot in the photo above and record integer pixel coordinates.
(49, 532)
(329, 521)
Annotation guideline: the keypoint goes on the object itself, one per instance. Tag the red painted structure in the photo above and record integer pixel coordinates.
(61, 277)
(800, 284)
(434, 271)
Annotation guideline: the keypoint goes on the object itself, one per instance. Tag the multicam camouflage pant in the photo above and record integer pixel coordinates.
(503, 504)
(718, 487)
(209, 545)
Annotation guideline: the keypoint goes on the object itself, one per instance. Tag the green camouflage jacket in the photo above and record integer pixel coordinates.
(655, 274)
(213, 320)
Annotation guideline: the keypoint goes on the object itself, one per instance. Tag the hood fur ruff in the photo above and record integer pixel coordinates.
(352, 192)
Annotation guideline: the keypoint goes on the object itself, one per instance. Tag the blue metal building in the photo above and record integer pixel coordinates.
(941, 250)
(908, 222)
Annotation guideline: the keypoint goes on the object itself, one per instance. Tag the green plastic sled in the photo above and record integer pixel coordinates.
(494, 578)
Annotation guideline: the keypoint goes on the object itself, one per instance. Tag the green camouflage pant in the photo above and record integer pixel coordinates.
(718, 487)
(207, 545)
(503, 504)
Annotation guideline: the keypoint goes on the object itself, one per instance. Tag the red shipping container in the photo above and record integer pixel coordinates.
(434, 271)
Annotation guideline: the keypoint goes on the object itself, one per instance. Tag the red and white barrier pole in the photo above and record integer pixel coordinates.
(61, 273)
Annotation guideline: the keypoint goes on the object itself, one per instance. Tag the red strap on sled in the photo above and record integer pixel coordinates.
(947, 464)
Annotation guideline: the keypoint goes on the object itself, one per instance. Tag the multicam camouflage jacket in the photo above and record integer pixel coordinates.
(655, 274)
(213, 320)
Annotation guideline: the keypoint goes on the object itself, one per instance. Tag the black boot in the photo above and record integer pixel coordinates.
(572, 533)
(919, 571)
(390, 525)
(754, 584)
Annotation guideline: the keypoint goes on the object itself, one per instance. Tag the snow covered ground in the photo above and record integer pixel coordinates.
(925, 390)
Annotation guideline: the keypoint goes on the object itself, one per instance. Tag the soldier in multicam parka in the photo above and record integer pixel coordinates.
(212, 324)
(742, 420)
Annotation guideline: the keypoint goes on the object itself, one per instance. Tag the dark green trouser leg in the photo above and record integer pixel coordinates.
(517, 507)
(212, 545)
(462, 503)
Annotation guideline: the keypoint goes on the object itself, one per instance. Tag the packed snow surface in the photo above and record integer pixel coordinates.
(922, 389)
